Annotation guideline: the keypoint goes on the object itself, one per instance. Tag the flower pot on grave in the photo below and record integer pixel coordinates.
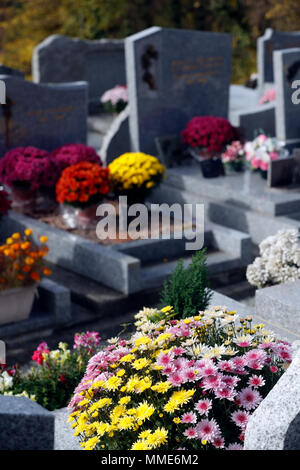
(86, 217)
(235, 167)
(23, 198)
(210, 162)
(16, 304)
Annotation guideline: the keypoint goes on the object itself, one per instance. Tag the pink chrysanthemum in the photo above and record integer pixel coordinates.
(256, 381)
(207, 429)
(218, 442)
(191, 433)
(240, 418)
(249, 398)
(203, 406)
(234, 446)
(189, 418)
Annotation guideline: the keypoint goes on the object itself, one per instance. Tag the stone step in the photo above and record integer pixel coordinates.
(237, 291)
(217, 262)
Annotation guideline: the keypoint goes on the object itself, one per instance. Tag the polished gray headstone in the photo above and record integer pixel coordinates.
(287, 110)
(44, 116)
(63, 59)
(172, 76)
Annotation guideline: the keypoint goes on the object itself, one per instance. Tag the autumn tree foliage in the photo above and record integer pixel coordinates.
(25, 23)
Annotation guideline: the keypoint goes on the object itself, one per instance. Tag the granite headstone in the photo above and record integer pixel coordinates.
(62, 59)
(266, 44)
(172, 76)
(287, 111)
(25, 425)
(45, 116)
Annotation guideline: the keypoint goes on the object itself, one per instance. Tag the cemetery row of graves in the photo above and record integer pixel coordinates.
(161, 132)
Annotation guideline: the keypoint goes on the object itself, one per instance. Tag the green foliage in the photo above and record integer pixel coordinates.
(25, 23)
(52, 384)
(187, 290)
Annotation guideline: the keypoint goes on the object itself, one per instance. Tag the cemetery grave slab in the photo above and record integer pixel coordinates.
(123, 267)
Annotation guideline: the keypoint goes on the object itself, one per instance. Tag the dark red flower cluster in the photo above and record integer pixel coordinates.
(28, 165)
(5, 203)
(72, 154)
(209, 132)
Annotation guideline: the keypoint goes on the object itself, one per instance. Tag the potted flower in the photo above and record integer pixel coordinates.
(5, 202)
(71, 154)
(207, 136)
(21, 267)
(234, 157)
(82, 187)
(115, 99)
(189, 384)
(135, 175)
(279, 260)
(261, 151)
(25, 170)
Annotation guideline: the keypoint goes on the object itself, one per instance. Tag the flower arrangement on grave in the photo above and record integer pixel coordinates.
(261, 151)
(82, 187)
(279, 260)
(207, 137)
(51, 381)
(209, 133)
(177, 384)
(268, 96)
(71, 154)
(135, 175)
(5, 202)
(21, 260)
(25, 170)
(21, 267)
(115, 99)
(234, 156)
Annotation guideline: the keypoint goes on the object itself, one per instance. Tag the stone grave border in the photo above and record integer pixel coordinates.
(119, 267)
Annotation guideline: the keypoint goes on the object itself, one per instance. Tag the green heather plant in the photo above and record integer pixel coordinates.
(187, 290)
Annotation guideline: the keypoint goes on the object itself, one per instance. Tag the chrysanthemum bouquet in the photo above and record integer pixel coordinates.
(28, 168)
(234, 156)
(115, 99)
(21, 260)
(209, 132)
(261, 151)
(83, 184)
(188, 384)
(135, 175)
(71, 154)
(279, 260)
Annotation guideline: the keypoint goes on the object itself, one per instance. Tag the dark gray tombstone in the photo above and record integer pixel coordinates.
(268, 43)
(287, 111)
(116, 141)
(45, 116)
(171, 151)
(172, 76)
(255, 120)
(9, 71)
(25, 425)
(281, 172)
(62, 59)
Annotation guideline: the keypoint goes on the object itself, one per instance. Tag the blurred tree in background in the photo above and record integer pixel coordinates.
(25, 23)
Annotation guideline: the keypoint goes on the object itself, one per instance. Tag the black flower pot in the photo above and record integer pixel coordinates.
(212, 167)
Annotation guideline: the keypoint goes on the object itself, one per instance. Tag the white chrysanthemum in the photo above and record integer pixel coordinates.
(279, 260)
